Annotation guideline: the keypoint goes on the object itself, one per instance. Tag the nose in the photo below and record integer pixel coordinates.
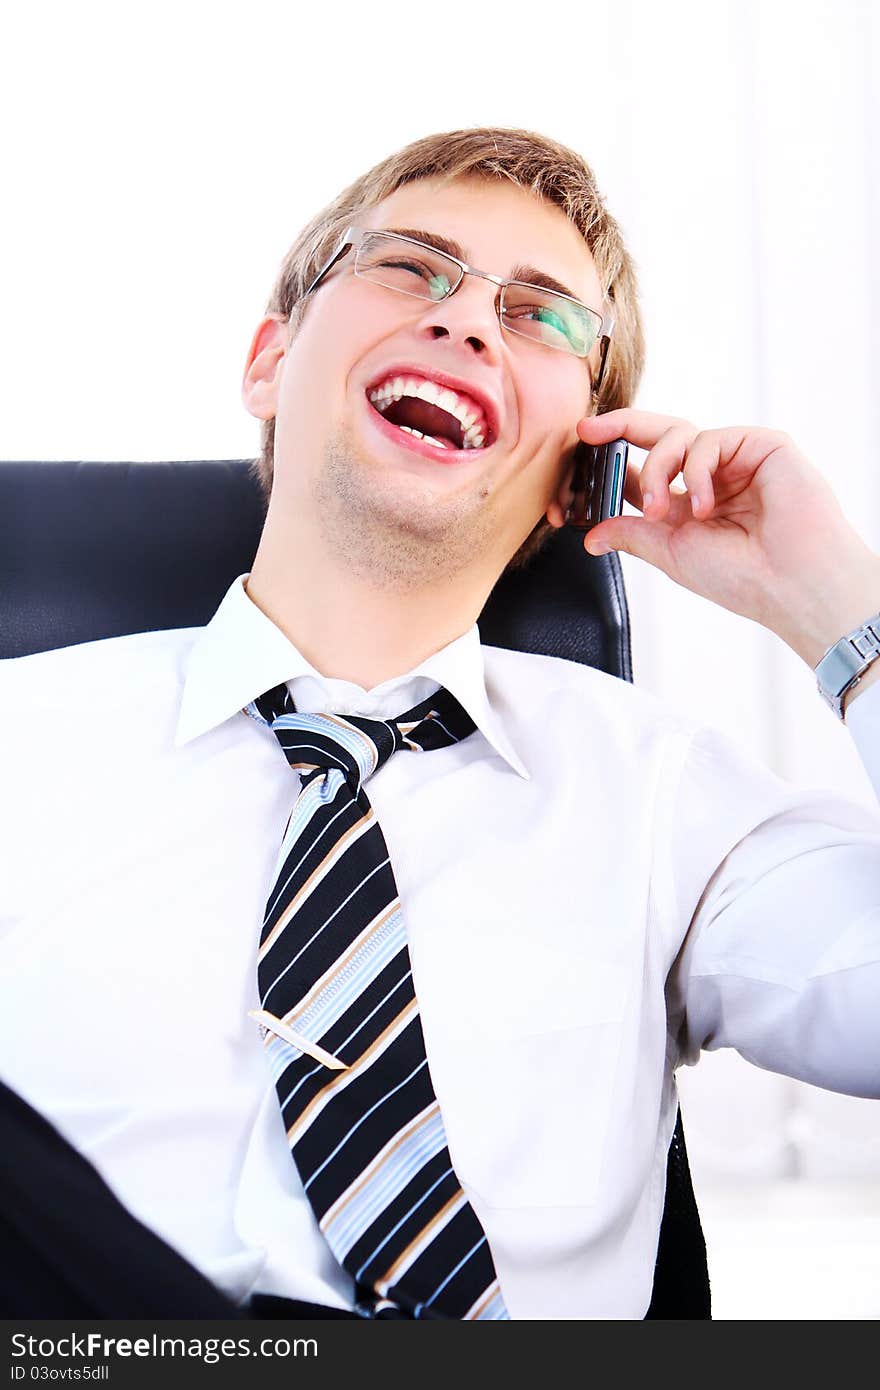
(468, 316)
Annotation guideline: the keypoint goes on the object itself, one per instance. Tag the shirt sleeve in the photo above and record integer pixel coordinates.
(780, 891)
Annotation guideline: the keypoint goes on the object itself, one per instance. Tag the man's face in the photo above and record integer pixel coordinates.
(338, 466)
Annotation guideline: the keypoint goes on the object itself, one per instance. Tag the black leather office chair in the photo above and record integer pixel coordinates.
(95, 550)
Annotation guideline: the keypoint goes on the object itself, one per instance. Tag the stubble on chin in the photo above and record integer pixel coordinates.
(392, 531)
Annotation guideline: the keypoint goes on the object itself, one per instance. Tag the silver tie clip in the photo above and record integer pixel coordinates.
(275, 1025)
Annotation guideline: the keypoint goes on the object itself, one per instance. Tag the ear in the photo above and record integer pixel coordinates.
(262, 370)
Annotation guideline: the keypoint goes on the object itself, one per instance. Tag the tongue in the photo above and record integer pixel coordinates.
(427, 418)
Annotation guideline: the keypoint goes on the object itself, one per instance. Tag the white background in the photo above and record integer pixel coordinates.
(158, 160)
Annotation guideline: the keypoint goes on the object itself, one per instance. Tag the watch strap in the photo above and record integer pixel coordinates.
(844, 664)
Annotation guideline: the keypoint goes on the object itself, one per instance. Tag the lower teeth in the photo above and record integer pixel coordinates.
(429, 438)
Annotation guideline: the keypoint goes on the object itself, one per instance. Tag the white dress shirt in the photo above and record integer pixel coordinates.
(595, 888)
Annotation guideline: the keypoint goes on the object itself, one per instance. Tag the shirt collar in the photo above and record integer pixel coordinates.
(241, 653)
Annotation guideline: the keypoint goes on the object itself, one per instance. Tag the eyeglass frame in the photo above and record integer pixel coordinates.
(352, 238)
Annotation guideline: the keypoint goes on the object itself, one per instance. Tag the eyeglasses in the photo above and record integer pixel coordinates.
(411, 267)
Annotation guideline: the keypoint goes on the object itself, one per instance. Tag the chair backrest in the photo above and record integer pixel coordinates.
(95, 550)
(91, 550)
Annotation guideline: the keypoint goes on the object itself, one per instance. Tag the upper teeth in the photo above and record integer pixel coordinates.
(473, 421)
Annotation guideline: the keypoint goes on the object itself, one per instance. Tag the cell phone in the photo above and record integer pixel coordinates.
(597, 480)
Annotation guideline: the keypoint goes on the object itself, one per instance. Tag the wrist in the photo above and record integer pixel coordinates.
(817, 618)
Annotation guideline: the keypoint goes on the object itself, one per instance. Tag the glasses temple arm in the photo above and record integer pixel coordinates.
(341, 250)
(606, 342)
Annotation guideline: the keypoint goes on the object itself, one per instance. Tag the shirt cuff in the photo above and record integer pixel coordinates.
(863, 722)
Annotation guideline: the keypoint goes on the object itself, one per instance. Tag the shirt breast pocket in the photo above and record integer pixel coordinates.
(527, 1105)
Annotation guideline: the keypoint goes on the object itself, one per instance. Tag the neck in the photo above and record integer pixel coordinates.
(353, 621)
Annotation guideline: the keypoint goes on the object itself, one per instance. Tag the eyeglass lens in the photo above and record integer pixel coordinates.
(542, 315)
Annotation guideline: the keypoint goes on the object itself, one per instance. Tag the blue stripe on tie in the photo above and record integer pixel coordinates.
(320, 1066)
(297, 824)
(352, 740)
(322, 928)
(367, 962)
(451, 1275)
(495, 1310)
(389, 1182)
(281, 1054)
(424, 1197)
(381, 1101)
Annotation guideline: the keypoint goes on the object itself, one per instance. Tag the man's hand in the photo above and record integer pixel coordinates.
(758, 529)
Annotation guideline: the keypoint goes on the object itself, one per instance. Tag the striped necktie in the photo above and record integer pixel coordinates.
(343, 1032)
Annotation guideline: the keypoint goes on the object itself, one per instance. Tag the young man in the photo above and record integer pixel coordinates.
(420, 1062)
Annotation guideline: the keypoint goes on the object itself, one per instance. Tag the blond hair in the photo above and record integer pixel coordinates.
(531, 161)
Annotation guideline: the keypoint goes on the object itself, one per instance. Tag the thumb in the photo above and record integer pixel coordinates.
(647, 540)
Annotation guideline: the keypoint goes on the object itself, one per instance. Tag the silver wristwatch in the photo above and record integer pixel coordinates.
(844, 664)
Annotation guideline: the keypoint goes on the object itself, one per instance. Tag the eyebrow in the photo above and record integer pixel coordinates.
(530, 273)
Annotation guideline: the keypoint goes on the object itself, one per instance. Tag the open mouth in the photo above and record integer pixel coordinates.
(416, 420)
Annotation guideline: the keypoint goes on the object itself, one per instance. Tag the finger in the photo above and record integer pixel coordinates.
(679, 509)
(646, 540)
(643, 428)
(701, 462)
(664, 463)
(744, 448)
(712, 454)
